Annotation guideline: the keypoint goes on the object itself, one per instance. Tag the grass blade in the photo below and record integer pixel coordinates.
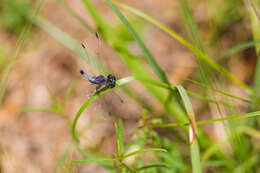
(94, 160)
(69, 91)
(238, 48)
(255, 25)
(44, 109)
(221, 92)
(152, 166)
(62, 160)
(19, 44)
(88, 156)
(135, 64)
(119, 138)
(229, 118)
(194, 145)
(68, 42)
(159, 72)
(143, 151)
(76, 16)
(193, 49)
(193, 31)
(85, 105)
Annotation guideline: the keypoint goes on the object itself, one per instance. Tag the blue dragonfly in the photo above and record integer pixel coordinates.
(102, 83)
(107, 82)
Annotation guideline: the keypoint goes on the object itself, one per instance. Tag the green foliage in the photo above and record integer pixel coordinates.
(14, 57)
(161, 146)
(12, 14)
(121, 156)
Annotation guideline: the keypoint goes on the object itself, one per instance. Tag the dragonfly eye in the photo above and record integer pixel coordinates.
(111, 79)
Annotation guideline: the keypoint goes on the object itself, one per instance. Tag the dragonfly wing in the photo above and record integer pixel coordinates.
(101, 80)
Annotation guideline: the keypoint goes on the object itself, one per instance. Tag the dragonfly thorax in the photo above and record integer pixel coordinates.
(111, 80)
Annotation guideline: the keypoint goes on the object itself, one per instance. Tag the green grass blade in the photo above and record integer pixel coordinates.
(69, 90)
(89, 101)
(125, 80)
(108, 159)
(80, 111)
(159, 72)
(88, 156)
(193, 49)
(229, 118)
(256, 85)
(239, 48)
(68, 42)
(173, 88)
(221, 92)
(103, 26)
(119, 138)
(135, 64)
(192, 29)
(194, 145)
(203, 98)
(47, 109)
(143, 151)
(63, 158)
(19, 44)
(190, 24)
(250, 132)
(153, 166)
(76, 16)
(255, 25)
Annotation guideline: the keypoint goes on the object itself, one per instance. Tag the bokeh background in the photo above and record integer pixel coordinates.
(42, 89)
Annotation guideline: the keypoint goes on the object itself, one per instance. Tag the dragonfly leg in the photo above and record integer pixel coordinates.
(97, 88)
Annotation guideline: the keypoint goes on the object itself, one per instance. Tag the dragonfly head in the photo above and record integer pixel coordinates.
(111, 79)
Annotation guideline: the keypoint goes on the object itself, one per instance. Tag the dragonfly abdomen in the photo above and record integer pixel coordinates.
(92, 80)
(100, 80)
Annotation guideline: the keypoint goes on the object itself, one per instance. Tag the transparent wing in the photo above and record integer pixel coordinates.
(110, 103)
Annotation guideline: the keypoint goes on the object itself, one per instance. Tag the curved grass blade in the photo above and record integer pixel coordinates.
(158, 71)
(90, 100)
(193, 49)
(143, 151)
(194, 145)
(80, 111)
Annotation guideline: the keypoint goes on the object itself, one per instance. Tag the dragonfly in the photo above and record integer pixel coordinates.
(106, 82)
(102, 82)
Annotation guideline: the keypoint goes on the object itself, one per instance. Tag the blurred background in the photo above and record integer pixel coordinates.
(42, 90)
